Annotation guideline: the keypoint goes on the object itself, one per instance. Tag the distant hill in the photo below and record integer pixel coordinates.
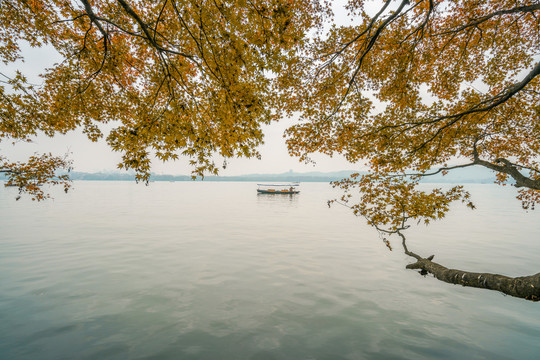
(466, 175)
(473, 174)
(284, 177)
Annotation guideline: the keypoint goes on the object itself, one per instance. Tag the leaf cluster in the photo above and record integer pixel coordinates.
(174, 77)
(418, 87)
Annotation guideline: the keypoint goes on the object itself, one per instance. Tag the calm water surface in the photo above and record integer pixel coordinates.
(191, 270)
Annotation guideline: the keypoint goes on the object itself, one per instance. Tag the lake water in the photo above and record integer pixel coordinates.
(210, 270)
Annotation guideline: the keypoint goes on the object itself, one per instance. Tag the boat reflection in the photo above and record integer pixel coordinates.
(274, 199)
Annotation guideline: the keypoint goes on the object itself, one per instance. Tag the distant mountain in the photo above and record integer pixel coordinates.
(464, 175)
(284, 177)
(314, 176)
(473, 174)
(102, 176)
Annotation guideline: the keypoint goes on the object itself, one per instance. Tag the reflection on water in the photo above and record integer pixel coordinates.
(214, 271)
(280, 199)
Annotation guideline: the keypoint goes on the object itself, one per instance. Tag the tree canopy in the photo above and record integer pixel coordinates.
(424, 87)
(408, 89)
(175, 77)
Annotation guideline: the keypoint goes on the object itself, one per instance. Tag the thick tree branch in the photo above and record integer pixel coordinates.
(525, 287)
(505, 166)
(484, 106)
(508, 168)
(94, 18)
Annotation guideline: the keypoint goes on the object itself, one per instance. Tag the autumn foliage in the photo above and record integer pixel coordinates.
(415, 88)
(175, 77)
(408, 89)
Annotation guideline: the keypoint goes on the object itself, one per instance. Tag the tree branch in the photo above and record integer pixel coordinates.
(94, 19)
(508, 168)
(476, 22)
(369, 46)
(144, 27)
(484, 106)
(525, 287)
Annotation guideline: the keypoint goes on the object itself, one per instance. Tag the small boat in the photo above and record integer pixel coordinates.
(286, 189)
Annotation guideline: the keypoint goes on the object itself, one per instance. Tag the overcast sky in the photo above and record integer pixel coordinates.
(95, 157)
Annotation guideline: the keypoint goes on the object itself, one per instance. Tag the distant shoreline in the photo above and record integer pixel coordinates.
(471, 175)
